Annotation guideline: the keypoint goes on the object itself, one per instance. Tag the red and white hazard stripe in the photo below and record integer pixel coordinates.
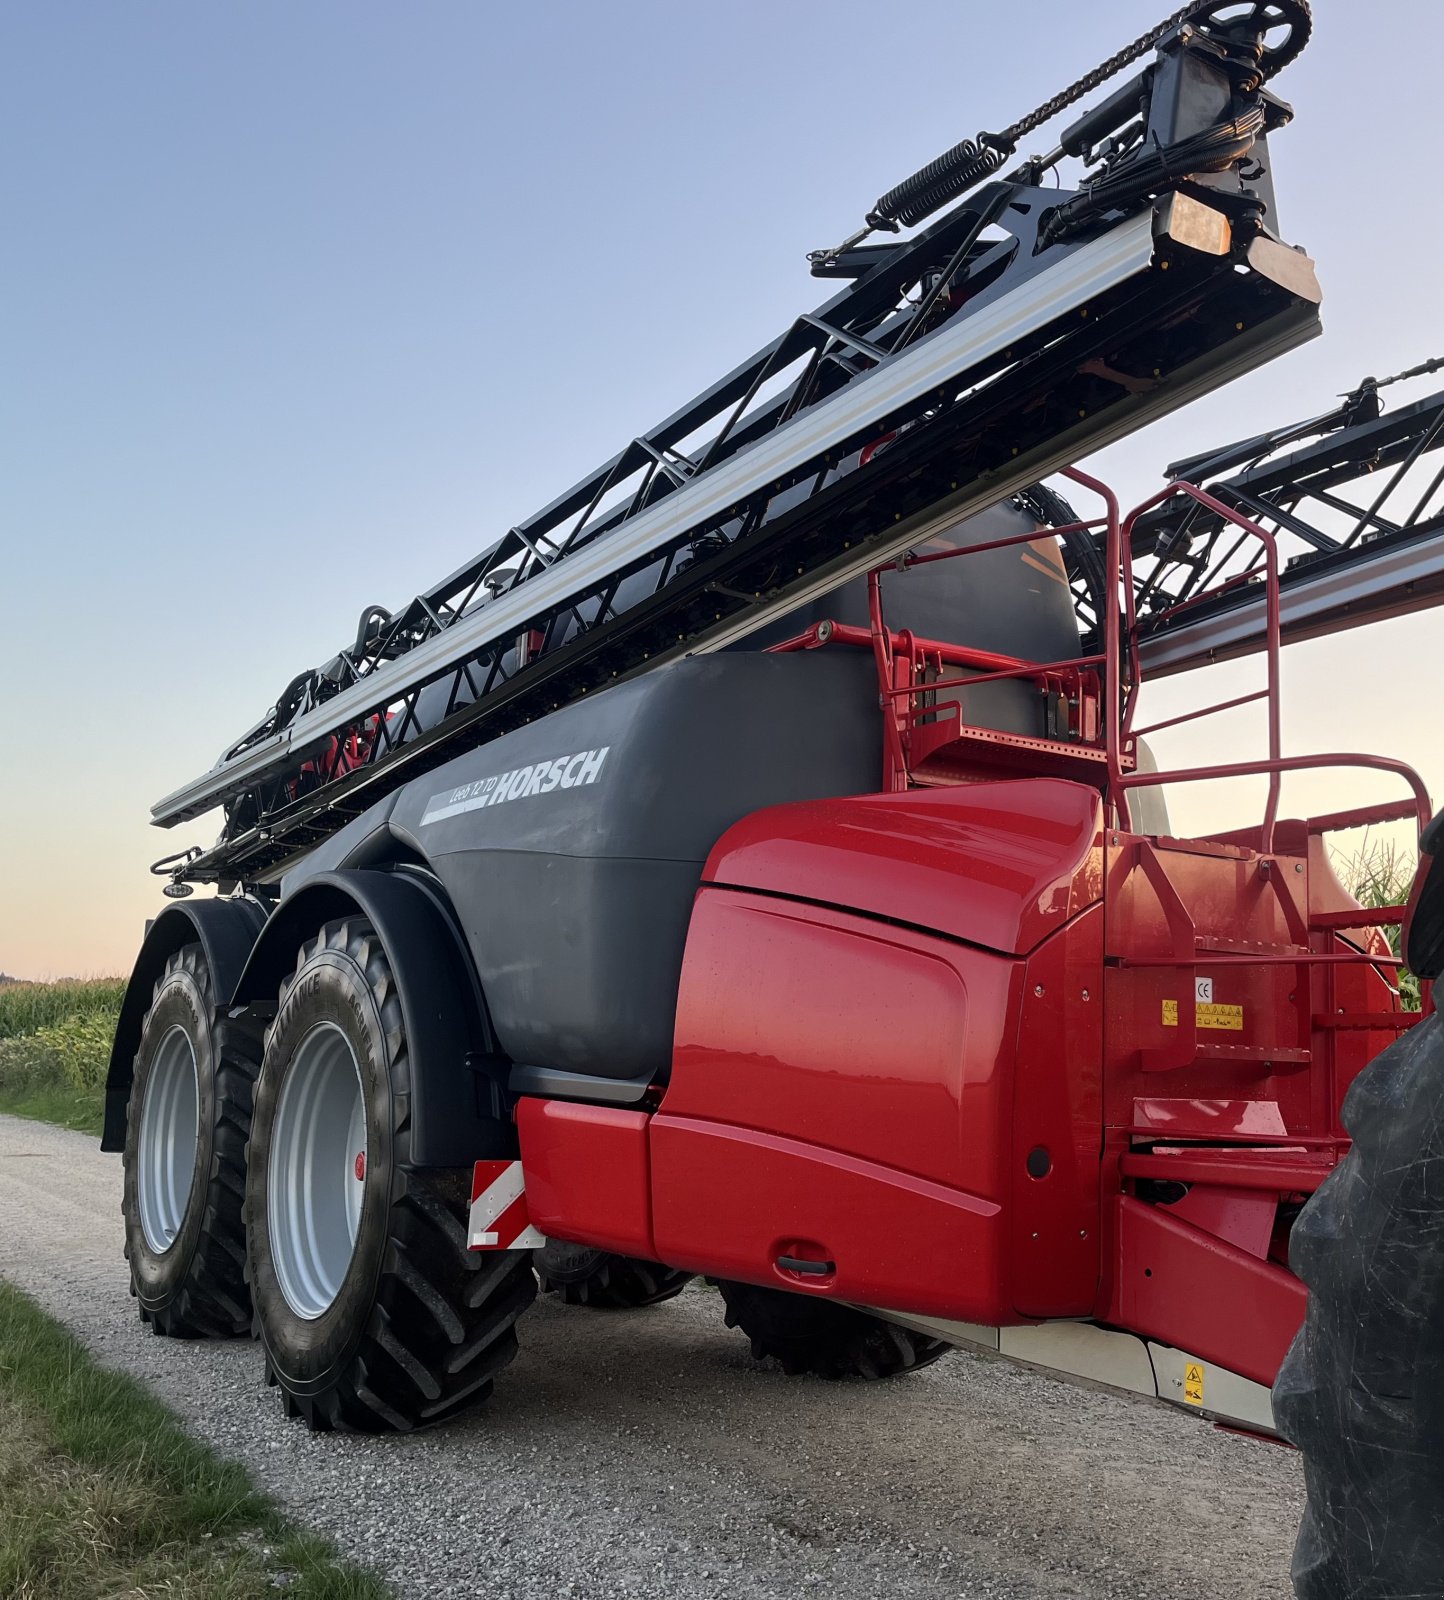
(499, 1218)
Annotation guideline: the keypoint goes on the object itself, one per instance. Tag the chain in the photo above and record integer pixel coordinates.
(1095, 79)
(969, 162)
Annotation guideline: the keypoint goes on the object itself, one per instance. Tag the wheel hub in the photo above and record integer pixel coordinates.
(169, 1132)
(317, 1180)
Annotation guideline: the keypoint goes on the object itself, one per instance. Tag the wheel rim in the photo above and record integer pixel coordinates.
(170, 1120)
(318, 1171)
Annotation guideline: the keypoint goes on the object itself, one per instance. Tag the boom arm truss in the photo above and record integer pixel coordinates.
(1355, 499)
(1023, 329)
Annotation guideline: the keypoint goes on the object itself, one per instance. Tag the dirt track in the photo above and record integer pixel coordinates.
(643, 1454)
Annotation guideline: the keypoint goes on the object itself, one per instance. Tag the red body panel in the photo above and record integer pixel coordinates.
(870, 1040)
(844, 1087)
(587, 1174)
(1184, 1287)
(952, 1044)
(1000, 865)
(1054, 1235)
(840, 1082)
(731, 1202)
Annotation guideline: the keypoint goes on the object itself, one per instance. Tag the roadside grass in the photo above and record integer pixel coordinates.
(55, 1047)
(82, 1110)
(102, 1493)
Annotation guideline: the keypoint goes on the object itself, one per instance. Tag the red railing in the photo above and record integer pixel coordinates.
(900, 657)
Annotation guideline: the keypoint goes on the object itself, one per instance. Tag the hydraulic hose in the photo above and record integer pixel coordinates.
(1154, 168)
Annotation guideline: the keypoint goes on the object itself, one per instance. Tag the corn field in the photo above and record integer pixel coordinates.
(57, 1034)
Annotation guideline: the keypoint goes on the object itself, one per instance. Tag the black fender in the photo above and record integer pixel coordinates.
(460, 1112)
(225, 931)
(1424, 923)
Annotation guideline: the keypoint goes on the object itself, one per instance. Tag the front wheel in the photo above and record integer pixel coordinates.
(373, 1313)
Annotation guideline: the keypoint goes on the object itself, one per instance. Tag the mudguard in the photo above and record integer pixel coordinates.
(457, 1074)
(225, 931)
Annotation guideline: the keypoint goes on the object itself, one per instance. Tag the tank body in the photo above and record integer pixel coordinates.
(571, 849)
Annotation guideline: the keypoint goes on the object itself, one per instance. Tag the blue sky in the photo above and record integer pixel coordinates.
(304, 304)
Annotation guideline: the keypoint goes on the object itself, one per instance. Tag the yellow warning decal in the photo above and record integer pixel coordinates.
(1193, 1383)
(1220, 1016)
(1170, 1013)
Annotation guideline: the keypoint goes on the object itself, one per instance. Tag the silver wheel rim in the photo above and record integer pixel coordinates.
(318, 1171)
(170, 1120)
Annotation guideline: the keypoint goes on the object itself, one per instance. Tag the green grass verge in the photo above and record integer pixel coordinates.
(103, 1494)
(81, 1109)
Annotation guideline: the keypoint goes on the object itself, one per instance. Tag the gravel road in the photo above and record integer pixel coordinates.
(644, 1454)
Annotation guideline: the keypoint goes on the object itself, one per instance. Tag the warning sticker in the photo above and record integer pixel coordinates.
(1170, 1013)
(1193, 1383)
(1221, 1016)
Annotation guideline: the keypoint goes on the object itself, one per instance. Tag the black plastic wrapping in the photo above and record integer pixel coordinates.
(1361, 1392)
(1424, 935)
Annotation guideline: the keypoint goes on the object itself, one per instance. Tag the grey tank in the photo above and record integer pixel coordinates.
(572, 849)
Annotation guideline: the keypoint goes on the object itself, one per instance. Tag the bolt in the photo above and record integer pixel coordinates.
(1082, 1233)
(1035, 1235)
(1085, 994)
(1298, 866)
(1038, 989)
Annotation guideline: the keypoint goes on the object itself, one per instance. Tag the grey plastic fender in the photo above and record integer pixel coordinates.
(458, 1100)
(225, 931)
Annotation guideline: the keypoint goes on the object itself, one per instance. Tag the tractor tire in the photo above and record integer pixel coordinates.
(185, 1159)
(1361, 1392)
(809, 1335)
(581, 1276)
(373, 1314)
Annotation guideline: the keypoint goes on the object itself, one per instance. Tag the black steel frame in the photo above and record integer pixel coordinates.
(1356, 489)
(1019, 412)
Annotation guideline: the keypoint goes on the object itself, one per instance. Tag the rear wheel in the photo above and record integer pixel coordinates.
(373, 1313)
(822, 1337)
(582, 1276)
(1361, 1392)
(190, 1112)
